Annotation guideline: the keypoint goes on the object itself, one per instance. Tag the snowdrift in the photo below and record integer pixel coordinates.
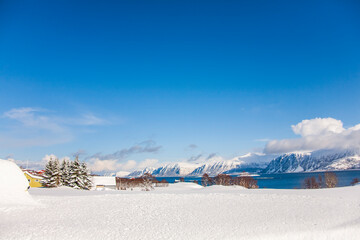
(13, 185)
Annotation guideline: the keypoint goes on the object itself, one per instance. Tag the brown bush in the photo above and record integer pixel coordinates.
(311, 183)
(206, 180)
(355, 181)
(245, 181)
(331, 179)
(147, 182)
(223, 179)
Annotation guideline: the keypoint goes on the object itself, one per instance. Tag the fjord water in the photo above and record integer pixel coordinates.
(286, 180)
(296, 180)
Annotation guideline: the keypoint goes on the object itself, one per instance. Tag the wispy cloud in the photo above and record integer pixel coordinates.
(29, 126)
(192, 146)
(148, 146)
(316, 134)
(262, 140)
(194, 158)
(203, 158)
(111, 166)
(117, 161)
(30, 117)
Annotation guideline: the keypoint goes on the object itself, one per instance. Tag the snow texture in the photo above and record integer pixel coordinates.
(186, 211)
(315, 161)
(13, 186)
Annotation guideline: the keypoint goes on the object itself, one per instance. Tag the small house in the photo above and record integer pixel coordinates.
(34, 179)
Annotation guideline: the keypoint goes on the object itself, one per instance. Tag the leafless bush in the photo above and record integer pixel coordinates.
(331, 179)
(355, 181)
(147, 182)
(206, 180)
(162, 183)
(223, 179)
(311, 183)
(245, 181)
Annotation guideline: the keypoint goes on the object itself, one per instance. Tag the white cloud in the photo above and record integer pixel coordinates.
(129, 165)
(113, 165)
(316, 134)
(104, 165)
(148, 163)
(318, 126)
(29, 117)
(49, 157)
(29, 126)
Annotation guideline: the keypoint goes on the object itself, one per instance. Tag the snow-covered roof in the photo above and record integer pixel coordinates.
(32, 175)
(101, 180)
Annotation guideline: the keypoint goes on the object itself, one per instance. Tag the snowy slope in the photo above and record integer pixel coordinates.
(174, 169)
(215, 168)
(139, 173)
(187, 212)
(315, 161)
(13, 185)
(251, 162)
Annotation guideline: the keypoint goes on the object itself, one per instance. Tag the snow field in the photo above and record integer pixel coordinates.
(187, 211)
(13, 186)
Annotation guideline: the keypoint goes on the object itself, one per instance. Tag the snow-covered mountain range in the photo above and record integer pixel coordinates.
(254, 162)
(315, 161)
(213, 167)
(139, 173)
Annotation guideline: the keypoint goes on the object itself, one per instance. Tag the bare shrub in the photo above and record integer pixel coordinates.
(311, 183)
(147, 182)
(245, 181)
(164, 183)
(223, 179)
(355, 181)
(331, 179)
(206, 180)
(320, 181)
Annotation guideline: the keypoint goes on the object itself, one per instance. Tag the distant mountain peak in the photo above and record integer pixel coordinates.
(321, 160)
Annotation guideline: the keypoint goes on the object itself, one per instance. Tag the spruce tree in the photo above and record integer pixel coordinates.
(57, 173)
(51, 176)
(75, 173)
(65, 173)
(86, 179)
(79, 175)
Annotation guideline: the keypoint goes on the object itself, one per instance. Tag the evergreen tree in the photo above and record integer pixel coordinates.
(51, 176)
(79, 175)
(85, 174)
(65, 173)
(57, 173)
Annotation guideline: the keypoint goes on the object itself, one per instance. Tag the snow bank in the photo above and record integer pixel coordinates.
(190, 212)
(100, 180)
(183, 186)
(13, 185)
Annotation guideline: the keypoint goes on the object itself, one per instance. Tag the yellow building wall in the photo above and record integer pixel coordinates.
(33, 182)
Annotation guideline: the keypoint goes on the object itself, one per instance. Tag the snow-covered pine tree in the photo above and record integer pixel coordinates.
(79, 175)
(75, 173)
(51, 177)
(86, 176)
(57, 173)
(65, 172)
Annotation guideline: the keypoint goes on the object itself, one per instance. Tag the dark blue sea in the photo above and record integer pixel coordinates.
(286, 180)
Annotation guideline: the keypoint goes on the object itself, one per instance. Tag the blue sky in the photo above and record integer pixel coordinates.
(104, 76)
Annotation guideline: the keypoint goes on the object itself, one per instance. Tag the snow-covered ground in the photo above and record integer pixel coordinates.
(185, 211)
